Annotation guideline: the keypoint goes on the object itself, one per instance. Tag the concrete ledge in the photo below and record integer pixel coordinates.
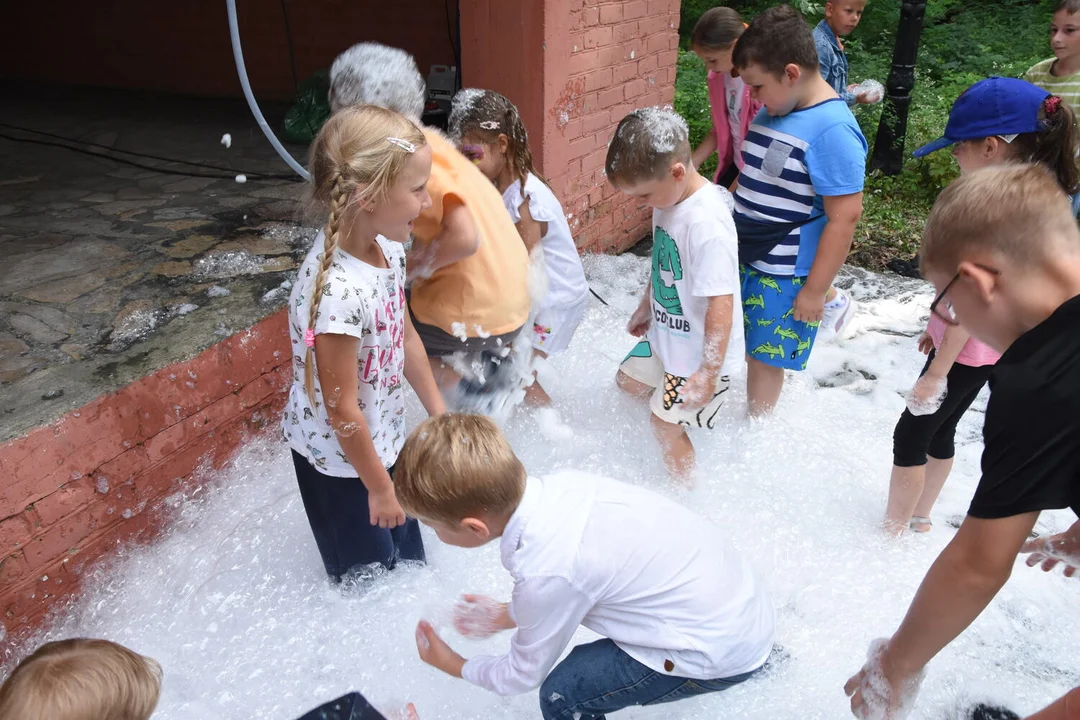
(101, 475)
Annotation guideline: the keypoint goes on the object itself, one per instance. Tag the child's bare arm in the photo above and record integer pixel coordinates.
(705, 149)
(457, 240)
(530, 229)
(843, 213)
(945, 356)
(418, 371)
(718, 318)
(335, 359)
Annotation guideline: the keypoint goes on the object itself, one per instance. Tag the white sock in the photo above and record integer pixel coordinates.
(837, 301)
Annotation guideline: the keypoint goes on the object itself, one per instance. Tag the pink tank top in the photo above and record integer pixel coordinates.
(974, 353)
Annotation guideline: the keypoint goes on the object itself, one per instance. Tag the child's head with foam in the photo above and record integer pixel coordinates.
(714, 36)
(1002, 248)
(488, 129)
(372, 74)
(777, 58)
(82, 679)
(369, 169)
(649, 157)
(458, 474)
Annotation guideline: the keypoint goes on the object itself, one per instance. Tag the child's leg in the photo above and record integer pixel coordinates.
(905, 487)
(678, 450)
(937, 472)
(764, 383)
(640, 372)
(600, 678)
(535, 395)
(553, 329)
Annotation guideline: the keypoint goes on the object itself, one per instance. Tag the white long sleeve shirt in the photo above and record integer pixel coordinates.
(662, 583)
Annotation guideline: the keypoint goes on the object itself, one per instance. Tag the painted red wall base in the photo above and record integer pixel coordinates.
(75, 489)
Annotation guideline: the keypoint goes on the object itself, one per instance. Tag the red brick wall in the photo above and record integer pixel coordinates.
(98, 476)
(183, 47)
(622, 55)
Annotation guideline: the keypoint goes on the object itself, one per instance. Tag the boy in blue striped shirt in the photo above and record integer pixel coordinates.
(798, 200)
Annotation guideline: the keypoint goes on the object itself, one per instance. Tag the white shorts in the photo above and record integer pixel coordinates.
(643, 365)
(554, 327)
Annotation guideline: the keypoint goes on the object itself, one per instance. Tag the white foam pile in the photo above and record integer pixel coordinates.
(234, 604)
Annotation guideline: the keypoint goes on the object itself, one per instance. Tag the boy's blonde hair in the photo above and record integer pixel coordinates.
(455, 466)
(646, 144)
(82, 679)
(1016, 210)
(360, 145)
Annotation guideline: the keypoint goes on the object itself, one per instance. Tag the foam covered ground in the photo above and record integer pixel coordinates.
(234, 604)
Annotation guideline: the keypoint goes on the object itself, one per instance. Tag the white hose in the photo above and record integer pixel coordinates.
(238, 55)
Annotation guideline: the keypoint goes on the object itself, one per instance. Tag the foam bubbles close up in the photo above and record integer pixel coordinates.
(234, 603)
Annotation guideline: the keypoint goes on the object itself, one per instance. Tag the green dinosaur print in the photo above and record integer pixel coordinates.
(769, 282)
(769, 349)
(804, 345)
(786, 334)
(764, 323)
(788, 314)
(755, 301)
(797, 281)
(665, 257)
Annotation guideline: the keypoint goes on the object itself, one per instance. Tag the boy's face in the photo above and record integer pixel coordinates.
(970, 293)
(778, 94)
(469, 533)
(1065, 34)
(661, 193)
(717, 61)
(843, 16)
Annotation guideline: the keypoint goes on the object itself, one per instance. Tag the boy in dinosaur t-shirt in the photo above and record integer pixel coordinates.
(691, 311)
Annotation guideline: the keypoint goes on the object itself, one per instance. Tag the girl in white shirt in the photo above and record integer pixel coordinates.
(353, 342)
(489, 131)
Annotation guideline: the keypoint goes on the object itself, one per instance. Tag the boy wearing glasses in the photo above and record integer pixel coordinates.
(1003, 250)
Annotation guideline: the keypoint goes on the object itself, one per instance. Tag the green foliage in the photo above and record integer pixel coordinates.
(962, 42)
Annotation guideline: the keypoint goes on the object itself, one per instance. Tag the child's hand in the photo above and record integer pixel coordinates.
(640, 320)
(480, 617)
(406, 713)
(384, 508)
(1061, 548)
(809, 306)
(699, 388)
(419, 261)
(927, 395)
(435, 652)
(926, 343)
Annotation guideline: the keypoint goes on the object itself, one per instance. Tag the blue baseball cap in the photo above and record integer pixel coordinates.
(995, 106)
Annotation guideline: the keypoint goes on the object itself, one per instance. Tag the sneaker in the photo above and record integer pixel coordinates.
(838, 312)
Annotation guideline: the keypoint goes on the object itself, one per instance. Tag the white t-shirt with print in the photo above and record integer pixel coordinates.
(695, 257)
(368, 303)
(566, 277)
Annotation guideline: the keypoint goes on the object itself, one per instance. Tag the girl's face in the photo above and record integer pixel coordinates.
(1065, 35)
(973, 155)
(393, 217)
(490, 158)
(717, 61)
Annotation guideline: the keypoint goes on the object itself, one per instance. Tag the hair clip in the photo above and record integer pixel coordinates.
(309, 338)
(489, 125)
(403, 144)
(1051, 104)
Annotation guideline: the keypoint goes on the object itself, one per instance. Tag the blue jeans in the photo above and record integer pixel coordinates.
(1075, 203)
(600, 678)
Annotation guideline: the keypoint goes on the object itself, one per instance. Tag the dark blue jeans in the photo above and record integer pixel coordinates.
(600, 678)
(337, 510)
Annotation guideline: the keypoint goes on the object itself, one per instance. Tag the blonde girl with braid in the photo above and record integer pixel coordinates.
(489, 131)
(354, 346)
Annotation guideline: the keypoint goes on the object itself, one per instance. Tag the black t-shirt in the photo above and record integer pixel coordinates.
(1031, 459)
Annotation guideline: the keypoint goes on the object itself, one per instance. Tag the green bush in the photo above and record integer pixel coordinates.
(962, 43)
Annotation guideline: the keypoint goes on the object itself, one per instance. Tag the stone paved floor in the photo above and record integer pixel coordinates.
(107, 271)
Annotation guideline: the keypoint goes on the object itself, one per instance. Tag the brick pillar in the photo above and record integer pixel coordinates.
(575, 68)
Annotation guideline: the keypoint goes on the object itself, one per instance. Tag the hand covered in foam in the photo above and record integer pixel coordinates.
(877, 692)
(927, 395)
(476, 616)
(868, 92)
(1063, 548)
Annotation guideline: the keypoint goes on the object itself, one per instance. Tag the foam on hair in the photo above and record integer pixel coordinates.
(352, 150)
(1018, 211)
(454, 466)
(487, 114)
(373, 74)
(82, 679)
(776, 38)
(647, 142)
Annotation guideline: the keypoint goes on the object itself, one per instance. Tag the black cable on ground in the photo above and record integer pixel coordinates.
(595, 295)
(164, 171)
(193, 163)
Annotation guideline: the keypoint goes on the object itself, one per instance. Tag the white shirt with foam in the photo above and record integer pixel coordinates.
(660, 581)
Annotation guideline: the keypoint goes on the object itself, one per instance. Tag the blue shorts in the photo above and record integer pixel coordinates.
(773, 335)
